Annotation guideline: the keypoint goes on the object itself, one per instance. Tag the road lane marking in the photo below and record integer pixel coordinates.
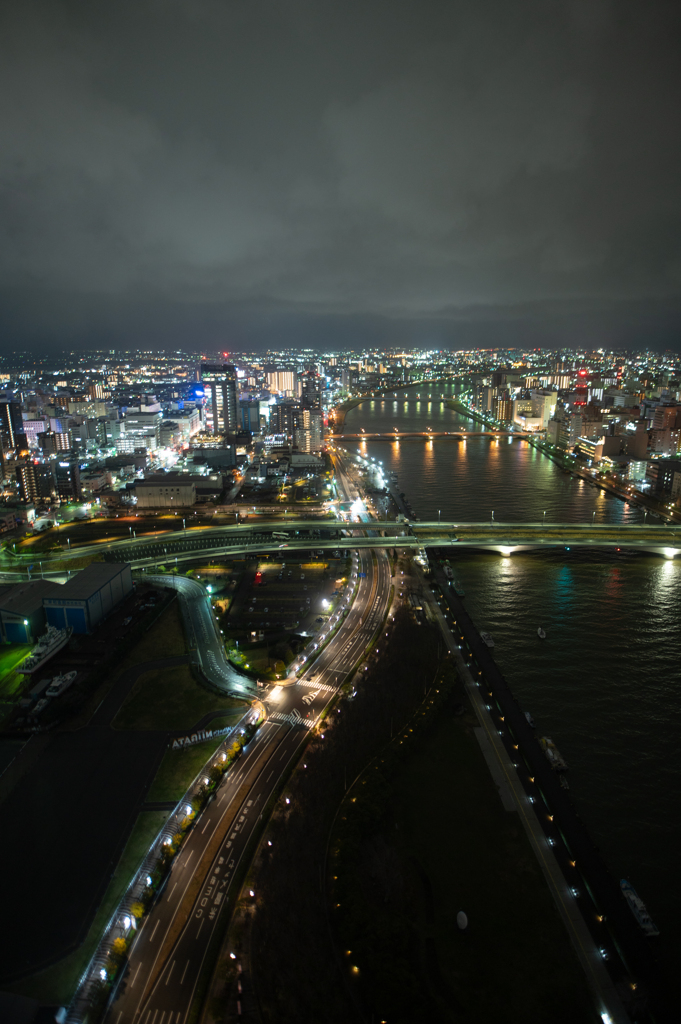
(183, 974)
(170, 972)
(172, 891)
(158, 921)
(205, 826)
(160, 1020)
(153, 1019)
(200, 927)
(133, 981)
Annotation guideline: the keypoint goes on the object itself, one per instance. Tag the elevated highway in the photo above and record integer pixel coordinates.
(331, 534)
(182, 547)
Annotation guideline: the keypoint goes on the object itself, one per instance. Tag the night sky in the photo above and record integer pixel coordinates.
(239, 173)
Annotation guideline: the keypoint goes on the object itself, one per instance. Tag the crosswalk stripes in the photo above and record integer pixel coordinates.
(279, 716)
(316, 686)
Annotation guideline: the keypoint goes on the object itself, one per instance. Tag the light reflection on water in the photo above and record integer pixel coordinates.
(605, 683)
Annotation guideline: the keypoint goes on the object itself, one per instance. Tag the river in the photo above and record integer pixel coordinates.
(606, 682)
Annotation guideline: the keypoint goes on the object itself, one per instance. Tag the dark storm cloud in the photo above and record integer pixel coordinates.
(249, 165)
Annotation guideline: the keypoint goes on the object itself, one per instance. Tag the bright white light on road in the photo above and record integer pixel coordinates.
(251, 893)
(188, 809)
(126, 922)
(102, 974)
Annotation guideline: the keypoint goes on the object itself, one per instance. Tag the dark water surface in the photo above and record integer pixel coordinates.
(606, 682)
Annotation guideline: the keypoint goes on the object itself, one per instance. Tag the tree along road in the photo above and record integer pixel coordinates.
(166, 960)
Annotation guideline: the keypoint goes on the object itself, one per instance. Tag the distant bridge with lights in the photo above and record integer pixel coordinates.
(391, 435)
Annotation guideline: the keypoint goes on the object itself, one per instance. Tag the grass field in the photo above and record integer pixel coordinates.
(178, 768)
(12, 685)
(10, 681)
(170, 698)
(446, 845)
(165, 639)
(57, 984)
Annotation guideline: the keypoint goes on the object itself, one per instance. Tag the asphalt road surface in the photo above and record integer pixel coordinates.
(161, 976)
(203, 638)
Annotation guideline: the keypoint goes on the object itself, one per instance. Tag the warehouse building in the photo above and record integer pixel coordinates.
(22, 617)
(166, 490)
(88, 597)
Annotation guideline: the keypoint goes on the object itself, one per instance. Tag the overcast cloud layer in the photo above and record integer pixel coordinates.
(237, 172)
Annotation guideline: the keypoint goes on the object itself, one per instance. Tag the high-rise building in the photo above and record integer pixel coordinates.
(307, 433)
(282, 418)
(219, 385)
(67, 479)
(311, 385)
(36, 481)
(12, 436)
(249, 416)
(50, 442)
(143, 430)
(283, 381)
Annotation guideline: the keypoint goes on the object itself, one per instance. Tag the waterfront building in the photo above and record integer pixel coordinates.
(88, 597)
(307, 434)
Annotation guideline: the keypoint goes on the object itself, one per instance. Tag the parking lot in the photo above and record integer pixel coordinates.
(285, 595)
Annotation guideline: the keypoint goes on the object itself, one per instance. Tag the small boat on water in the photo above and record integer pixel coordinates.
(530, 720)
(541, 634)
(458, 589)
(553, 755)
(487, 639)
(638, 908)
